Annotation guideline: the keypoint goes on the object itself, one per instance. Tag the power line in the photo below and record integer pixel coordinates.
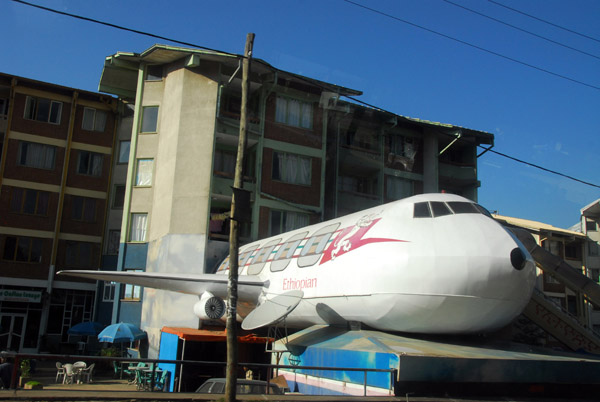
(521, 29)
(544, 21)
(349, 97)
(493, 151)
(121, 27)
(564, 77)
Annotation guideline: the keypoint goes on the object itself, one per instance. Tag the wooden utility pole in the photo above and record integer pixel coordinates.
(238, 183)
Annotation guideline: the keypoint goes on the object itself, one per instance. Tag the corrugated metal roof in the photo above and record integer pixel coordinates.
(537, 226)
(213, 335)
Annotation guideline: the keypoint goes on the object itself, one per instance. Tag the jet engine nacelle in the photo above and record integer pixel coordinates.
(209, 307)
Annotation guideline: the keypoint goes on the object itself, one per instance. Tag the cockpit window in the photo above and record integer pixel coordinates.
(440, 209)
(463, 207)
(483, 210)
(422, 210)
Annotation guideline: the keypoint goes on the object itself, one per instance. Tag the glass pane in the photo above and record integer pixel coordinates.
(10, 245)
(36, 250)
(77, 211)
(23, 249)
(119, 197)
(150, 119)
(100, 122)
(144, 172)
(88, 118)
(55, 113)
(422, 210)
(124, 151)
(440, 209)
(43, 110)
(16, 200)
(42, 205)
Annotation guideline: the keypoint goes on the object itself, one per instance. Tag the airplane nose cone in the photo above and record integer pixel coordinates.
(518, 259)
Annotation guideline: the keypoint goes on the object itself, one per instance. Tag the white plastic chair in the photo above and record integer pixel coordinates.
(69, 374)
(60, 372)
(86, 373)
(78, 367)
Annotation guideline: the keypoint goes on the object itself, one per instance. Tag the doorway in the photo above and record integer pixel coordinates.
(12, 330)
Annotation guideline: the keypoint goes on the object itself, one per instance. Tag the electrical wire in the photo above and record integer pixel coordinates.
(521, 29)
(122, 28)
(564, 77)
(493, 151)
(313, 83)
(544, 21)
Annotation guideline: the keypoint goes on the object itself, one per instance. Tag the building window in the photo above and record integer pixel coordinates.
(23, 249)
(119, 196)
(93, 119)
(593, 249)
(44, 110)
(132, 292)
(284, 221)
(361, 185)
(3, 107)
(291, 168)
(154, 73)
(294, 112)
(397, 188)
(39, 156)
(137, 230)
(90, 163)
(123, 152)
(149, 119)
(108, 293)
(114, 238)
(224, 162)
(28, 201)
(83, 209)
(143, 176)
(78, 254)
(590, 225)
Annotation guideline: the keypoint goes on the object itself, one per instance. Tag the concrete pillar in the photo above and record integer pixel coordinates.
(430, 162)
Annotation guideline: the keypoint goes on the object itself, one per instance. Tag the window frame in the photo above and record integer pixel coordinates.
(23, 148)
(116, 188)
(78, 260)
(131, 231)
(143, 122)
(86, 204)
(108, 291)
(32, 110)
(42, 201)
(120, 159)
(283, 174)
(135, 291)
(285, 116)
(91, 156)
(94, 122)
(34, 244)
(137, 172)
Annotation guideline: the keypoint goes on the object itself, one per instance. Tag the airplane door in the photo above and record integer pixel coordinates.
(12, 329)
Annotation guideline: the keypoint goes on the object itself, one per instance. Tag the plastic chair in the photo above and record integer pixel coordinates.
(69, 374)
(60, 372)
(162, 381)
(86, 373)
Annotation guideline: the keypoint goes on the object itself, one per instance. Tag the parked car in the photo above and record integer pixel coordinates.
(217, 386)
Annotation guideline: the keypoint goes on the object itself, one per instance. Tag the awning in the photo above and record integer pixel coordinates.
(214, 335)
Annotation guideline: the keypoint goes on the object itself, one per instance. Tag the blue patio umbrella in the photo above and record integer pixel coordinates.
(88, 328)
(121, 332)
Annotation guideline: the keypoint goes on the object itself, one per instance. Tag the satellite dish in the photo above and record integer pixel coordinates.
(273, 310)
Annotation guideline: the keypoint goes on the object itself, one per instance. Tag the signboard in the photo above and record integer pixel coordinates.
(23, 296)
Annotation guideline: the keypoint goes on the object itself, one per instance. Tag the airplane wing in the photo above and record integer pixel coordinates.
(249, 287)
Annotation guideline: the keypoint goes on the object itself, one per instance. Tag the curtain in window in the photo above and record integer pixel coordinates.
(294, 220)
(293, 112)
(304, 171)
(88, 119)
(306, 115)
(100, 122)
(97, 165)
(291, 168)
(138, 227)
(144, 172)
(37, 155)
(16, 200)
(280, 110)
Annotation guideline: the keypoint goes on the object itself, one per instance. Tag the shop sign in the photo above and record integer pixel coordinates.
(23, 296)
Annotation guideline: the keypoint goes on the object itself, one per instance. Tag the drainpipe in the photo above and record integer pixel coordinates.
(59, 212)
(128, 188)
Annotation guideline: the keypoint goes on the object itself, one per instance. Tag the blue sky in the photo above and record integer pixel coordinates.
(535, 116)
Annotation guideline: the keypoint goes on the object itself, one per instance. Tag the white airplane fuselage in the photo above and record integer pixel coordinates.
(446, 273)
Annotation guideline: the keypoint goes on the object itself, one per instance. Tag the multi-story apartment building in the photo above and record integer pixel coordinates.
(590, 226)
(310, 156)
(56, 150)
